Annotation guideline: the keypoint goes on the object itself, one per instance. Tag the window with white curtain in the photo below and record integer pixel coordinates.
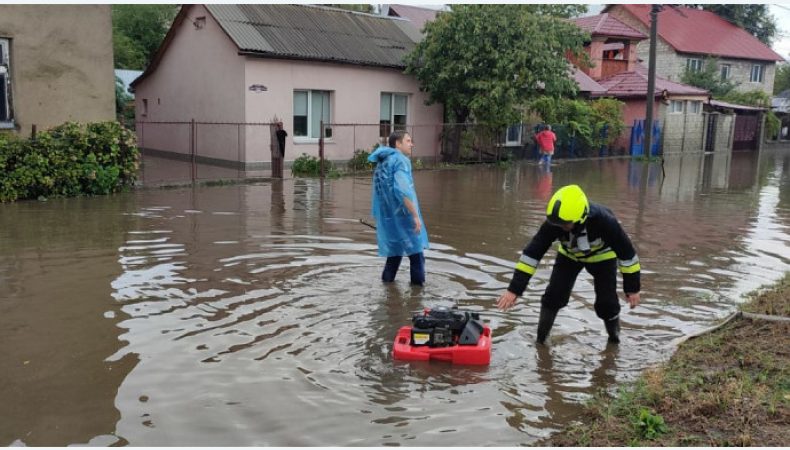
(310, 108)
(393, 113)
(676, 106)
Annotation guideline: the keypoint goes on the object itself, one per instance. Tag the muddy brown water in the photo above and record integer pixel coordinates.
(254, 315)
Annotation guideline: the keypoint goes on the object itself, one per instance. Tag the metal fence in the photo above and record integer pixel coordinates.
(242, 149)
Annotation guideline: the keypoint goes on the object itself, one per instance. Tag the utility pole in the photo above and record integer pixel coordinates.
(651, 80)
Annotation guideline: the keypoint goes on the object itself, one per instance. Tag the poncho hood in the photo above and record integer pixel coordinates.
(381, 153)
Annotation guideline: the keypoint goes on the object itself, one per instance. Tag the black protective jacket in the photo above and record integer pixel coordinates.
(599, 238)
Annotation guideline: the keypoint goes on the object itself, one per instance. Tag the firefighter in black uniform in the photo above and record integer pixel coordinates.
(590, 237)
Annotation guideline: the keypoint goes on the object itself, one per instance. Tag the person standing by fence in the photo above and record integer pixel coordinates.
(546, 140)
(278, 150)
(400, 230)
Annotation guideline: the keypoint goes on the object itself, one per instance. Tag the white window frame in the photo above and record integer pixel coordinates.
(387, 128)
(673, 106)
(725, 71)
(694, 64)
(7, 106)
(312, 135)
(513, 143)
(694, 107)
(758, 75)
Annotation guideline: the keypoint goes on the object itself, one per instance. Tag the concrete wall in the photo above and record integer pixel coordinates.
(683, 131)
(61, 64)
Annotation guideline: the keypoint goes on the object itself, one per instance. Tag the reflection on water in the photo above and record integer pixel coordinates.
(254, 315)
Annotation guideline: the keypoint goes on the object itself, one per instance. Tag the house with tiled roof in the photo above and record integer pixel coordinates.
(416, 15)
(688, 36)
(235, 69)
(616, 69)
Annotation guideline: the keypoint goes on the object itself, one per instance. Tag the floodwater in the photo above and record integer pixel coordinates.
(253, 315)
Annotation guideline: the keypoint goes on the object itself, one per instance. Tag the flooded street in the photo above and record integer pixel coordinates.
(254, 315)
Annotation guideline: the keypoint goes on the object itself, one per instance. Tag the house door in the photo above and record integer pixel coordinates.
(710, 133)
(746, 132)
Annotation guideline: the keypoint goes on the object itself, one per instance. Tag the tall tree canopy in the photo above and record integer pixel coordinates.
(754, 18)
(782, 79)
(484, 61)
(138, 31)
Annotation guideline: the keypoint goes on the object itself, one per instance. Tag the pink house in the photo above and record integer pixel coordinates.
(236, 68)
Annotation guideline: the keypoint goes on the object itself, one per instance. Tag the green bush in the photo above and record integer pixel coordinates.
(307, 165)
(583, 119)
(68, 160)
(359, 162)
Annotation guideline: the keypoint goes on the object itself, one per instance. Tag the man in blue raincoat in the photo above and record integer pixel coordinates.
(400, 230)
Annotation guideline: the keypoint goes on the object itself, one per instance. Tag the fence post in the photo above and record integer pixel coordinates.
(321, 147)
(192, 145)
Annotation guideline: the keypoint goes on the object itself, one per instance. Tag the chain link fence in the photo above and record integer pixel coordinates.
(192, 150)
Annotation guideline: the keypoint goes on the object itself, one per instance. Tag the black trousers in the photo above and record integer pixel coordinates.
(563, 277)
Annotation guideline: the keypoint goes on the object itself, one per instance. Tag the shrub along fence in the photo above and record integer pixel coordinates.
(68, 160)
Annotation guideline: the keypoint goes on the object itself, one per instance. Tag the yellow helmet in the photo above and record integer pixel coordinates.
(568, 205)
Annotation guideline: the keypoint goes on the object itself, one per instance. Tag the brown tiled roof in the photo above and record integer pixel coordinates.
(587, 84)
(690, 30)
(606, 25)
(418, 16)
(634, 84)
(317, 33)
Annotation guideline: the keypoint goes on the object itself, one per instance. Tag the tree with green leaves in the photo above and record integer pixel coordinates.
(138, 30)
(483, 62)
(782, 78)
(709, 78)
(754, 18)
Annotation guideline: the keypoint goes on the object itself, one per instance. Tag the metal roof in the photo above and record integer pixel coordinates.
(317, 33)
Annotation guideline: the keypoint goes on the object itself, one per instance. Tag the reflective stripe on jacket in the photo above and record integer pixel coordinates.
(599, 238)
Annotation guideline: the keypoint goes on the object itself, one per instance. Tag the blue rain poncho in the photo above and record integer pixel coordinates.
(392, 182)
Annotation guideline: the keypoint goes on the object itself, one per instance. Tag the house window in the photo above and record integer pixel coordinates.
(693, 64)
(392, 112)
(725, 72)
(757, 73)
(513, 135)
(310, 108)
(695, 107)
(6, 112)
(676, 106)
(145, 107)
